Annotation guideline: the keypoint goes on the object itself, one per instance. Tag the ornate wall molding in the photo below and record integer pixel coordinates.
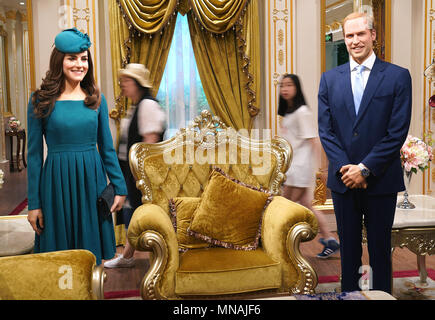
(83, 15)
(280, 35)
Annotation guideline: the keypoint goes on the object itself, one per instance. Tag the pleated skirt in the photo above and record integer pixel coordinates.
(72, 179)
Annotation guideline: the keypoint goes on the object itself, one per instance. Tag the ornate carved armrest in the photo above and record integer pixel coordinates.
(151, 229)
(285, 225)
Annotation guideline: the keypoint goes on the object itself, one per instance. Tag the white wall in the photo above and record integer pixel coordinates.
(407, 50)
(308, 55)
(45, 28)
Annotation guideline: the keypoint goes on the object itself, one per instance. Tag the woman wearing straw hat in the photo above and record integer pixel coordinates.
(71, 114)
(145, 121)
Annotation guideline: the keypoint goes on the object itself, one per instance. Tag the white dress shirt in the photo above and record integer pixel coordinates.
(368, 64)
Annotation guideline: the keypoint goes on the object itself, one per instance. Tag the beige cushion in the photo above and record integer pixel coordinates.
(220, 271)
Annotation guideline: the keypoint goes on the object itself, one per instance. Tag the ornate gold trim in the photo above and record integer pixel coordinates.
(149, 286)
(420, 241)
(307, 279)
(209, 132)
(99, 276)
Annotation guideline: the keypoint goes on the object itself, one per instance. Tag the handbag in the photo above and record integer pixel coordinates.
(105, 201)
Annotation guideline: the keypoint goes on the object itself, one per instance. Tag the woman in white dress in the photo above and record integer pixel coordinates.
(297, 126)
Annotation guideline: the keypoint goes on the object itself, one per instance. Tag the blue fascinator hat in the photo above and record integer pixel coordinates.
(72, 41)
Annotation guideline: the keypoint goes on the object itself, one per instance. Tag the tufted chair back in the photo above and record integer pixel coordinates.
(180, 167)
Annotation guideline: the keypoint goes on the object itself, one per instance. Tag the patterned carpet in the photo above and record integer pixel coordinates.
(406, 285)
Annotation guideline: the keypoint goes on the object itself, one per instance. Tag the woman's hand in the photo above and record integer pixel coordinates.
(36, 220)
(118, 202)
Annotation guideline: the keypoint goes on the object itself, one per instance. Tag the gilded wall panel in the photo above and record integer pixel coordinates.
(279, 30)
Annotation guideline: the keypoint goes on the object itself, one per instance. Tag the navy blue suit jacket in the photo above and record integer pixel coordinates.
(374, 136)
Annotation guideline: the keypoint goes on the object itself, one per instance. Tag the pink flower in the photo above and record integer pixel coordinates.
(415, 154)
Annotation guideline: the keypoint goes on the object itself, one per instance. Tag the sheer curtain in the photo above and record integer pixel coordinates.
(181, 93)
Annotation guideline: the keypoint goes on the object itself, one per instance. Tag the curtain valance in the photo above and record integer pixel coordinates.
(218, 16)
(148, 16)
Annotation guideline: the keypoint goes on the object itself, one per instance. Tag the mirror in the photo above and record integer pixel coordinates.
(334, 53)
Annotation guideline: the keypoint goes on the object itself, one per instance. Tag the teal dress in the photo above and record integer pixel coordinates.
(66, 185)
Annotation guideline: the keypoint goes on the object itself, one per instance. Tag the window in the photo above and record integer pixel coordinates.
(181, 93)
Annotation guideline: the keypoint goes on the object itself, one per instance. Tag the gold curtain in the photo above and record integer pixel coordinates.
(229, 63)
(218, 16)
(148, 16)
(140, 33)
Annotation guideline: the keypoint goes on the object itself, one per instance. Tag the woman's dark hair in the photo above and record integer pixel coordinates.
(54, 84)
(145, 92)
(298, 100)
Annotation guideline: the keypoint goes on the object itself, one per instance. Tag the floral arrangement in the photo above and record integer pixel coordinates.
(2, 174)
(416, 154)
(14, 123)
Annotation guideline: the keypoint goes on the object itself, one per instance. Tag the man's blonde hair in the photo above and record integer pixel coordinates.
(355, 15)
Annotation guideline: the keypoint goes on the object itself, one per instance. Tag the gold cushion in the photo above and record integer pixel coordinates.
(230, 213)
(181, 210)
(219, 271)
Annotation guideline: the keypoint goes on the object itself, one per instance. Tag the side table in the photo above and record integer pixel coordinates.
(415, 229)
(21, 138)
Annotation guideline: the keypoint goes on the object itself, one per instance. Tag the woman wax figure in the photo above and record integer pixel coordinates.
(71, 114)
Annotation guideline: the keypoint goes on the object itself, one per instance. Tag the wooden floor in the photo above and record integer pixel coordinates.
(14, 191)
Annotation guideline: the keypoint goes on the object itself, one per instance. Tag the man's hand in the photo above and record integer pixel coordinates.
(352, 178)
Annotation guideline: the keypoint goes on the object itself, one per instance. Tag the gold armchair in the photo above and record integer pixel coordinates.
(180, 167)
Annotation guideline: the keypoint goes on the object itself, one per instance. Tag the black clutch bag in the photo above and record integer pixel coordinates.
(105, 201)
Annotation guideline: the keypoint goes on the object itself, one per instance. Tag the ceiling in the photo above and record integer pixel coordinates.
(337, 10)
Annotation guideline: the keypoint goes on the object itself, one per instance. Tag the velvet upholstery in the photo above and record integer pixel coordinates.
(230, 213)
(220, 271)
(280, 217)
(182, 210)
(168, 181)
(179, 168)
(44, 276)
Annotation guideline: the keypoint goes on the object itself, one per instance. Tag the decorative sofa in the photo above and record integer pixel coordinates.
(60, 275)
(181, 167)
